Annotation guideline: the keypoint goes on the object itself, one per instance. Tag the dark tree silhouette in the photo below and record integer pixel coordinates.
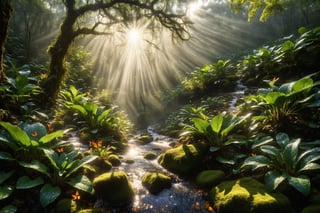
(5, 14)
(106, 13)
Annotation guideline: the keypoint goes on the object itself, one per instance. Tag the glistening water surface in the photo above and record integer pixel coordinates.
(182, 197)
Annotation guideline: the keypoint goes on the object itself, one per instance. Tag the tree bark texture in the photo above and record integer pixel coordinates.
(5, 10)
(57, 54)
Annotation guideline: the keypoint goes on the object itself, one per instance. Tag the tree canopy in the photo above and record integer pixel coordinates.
(268, 7)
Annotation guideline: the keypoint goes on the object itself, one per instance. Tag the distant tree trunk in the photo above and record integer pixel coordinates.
(5, 14)
(57, 53)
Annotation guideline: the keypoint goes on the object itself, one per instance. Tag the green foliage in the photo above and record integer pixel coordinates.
(18, 92)
(27, 149)
(215, 131)
(276, 106)
(286, 160)
(79, 67)
(268, 7)
(209, 76)
(288, 57)
(93, 117)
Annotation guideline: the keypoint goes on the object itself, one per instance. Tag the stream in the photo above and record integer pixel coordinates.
(182, 197)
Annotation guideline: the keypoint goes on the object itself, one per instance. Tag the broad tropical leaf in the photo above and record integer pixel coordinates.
(273, 179)
(48, 194)
(25, 182)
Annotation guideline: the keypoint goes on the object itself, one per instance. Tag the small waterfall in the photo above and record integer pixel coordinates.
(236, 95)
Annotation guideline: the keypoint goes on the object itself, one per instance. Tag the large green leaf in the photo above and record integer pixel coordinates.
(48, 194)
(80, 109)
(282, 139)
(9, 209)
(53, 158)
(271, 151)
(302, 84)
(36, 165)
(35, 130)
(17, 134)
(49, 137)
(103, 115)
(273, 179)
(256, 162)
(5, 191)
(310, 166)
(272, 97)
(216, 123)
(290, 152)
(25, 182)
(5, 175)
(301, 183)
(6, 156)
(200, 124)
(78, 164)
(81, 182)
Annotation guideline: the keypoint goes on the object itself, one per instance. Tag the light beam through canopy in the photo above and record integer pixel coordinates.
(139, 63)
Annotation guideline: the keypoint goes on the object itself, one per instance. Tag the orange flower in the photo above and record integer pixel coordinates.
(60, 150)
(253, 154)
(35, 134)
(93, 144)
(99, 143)
(76, 196)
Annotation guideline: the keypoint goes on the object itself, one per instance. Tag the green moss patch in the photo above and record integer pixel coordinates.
(156, 182)
(149, 156)
(114, 160)
(113, 187)
(184, 159)
(247, 195)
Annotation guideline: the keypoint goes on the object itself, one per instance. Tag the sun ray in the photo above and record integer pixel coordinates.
(138, 64)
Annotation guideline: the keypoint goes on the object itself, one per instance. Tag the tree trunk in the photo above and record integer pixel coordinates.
(57, 52)
(5, 13)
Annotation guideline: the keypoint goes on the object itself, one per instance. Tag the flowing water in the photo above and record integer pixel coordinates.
(182, 197)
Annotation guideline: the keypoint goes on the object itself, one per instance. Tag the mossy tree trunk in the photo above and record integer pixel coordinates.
(5, 14)
(57, 52)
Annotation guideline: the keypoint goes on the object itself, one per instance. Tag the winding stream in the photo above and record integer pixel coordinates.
(180, 198)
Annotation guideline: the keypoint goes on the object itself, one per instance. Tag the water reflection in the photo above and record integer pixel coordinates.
(179, 198)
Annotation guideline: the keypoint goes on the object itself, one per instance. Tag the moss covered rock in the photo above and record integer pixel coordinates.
(156, 182)
(114, 160)
(184, 159)
(113, 187)
(149, 156)
(209, 178)
(247, 195)
(144, 138)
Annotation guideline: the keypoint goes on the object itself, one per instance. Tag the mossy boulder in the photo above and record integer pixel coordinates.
(149, 156)
(209, 178)
(247, 195)
(145, 138)
(184, 159)
(156, 182)
(114, 160)
(114, 188)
